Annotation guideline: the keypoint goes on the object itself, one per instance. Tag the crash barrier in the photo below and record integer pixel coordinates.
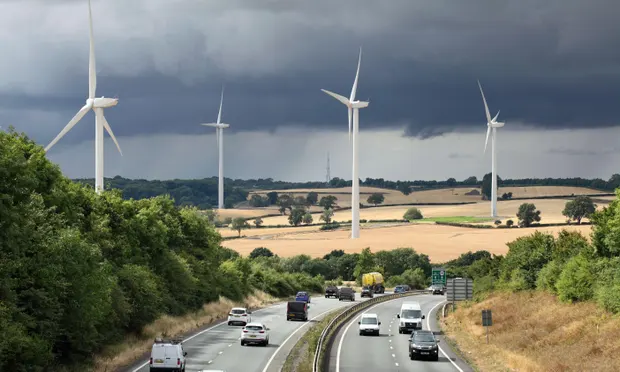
(321, 353)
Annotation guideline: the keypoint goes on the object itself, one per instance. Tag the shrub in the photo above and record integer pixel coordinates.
(576, 280)
(330, 226)
(548, 276)
(413, 214)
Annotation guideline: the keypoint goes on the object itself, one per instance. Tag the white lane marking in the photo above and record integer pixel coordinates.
(349, 326)
(229, 345)
(391, 347)
(428, 326)
(393, 355)
(291, 335)
(220, 353)
(209, 362)
(396, 364)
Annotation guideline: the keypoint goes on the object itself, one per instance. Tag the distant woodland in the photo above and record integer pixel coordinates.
(202, 193)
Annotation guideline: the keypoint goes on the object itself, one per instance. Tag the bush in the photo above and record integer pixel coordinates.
(330, 226)
(548, 276)
(413, 214)
(576, 280)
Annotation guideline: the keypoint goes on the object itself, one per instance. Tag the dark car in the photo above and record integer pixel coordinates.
(297, 310)
(423, 344)
(401, 288)
(331, 291)
(367, 292)
(437, 289)
(346, 293)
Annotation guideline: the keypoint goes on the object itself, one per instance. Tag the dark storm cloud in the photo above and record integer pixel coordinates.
(553, 64)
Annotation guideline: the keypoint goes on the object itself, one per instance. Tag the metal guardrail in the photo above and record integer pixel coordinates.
(345, 315)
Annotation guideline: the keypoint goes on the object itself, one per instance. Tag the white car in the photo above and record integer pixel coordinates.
(167, 356)
(239, 315)
(255, 333)
(369, 324)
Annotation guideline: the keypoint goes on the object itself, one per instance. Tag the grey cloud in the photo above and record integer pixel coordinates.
(583, 152)
(555, 64)
(456, 155)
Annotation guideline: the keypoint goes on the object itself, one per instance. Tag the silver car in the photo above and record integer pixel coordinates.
(255, 333)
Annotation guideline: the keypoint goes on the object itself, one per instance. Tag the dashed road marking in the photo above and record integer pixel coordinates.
(220, 353)
(393, 355)
(209, 362)
(391, 347)
(396, 364)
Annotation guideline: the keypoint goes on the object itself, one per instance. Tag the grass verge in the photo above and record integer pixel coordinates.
(134, 347)
(533, 331)
(301, 357)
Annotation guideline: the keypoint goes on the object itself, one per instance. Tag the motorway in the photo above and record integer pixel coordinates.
(218, 347)
(390, 350)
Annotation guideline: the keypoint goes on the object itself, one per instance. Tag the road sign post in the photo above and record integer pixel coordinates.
(487, 321)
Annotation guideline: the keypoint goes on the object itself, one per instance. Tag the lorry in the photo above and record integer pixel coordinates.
(374, 282)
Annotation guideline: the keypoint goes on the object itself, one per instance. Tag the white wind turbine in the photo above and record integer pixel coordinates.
(97, 105)
(354, 107)
(492, 124)
(219, 132)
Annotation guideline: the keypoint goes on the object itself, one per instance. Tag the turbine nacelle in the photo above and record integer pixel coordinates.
(358, 104)
(495, 124)
(216, 125)
(104, 102)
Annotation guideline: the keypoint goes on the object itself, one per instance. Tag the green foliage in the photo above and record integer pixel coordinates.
(327, 215)
(257, 200)
(415, 278)
(487, 184)
(581, 207)
(261, 252)
(297, 215)
(307, 218)
(525, 258)
(273, 197)
(376, 199)
(328, 202)
(330, 226)
(528, 214)
(413, 214)
(312, 198)
(576, 280)
(258, 222)
(285, 201)
(548, 276)
(365, 264)
(239, 224)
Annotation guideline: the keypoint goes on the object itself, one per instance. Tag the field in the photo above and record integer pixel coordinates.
(535, 332)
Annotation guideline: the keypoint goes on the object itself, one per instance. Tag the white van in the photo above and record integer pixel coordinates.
(410, 317)
(167, 356)
(369, 323)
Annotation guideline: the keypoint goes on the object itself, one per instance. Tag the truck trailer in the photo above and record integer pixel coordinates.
(373, 281)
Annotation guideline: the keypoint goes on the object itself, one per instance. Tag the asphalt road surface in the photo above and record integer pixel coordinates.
(219, 347)
(390, 350)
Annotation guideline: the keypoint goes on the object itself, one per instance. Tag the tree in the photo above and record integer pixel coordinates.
(528, 214)
(509, 223)
(507, 196)
(404, 188)
(328, 202)
(273, 197)
(258, 222)
(486, 185)
(581, 207)
(471, 181)
(312, 197)
(413, 214)
(451, 182)
(296, 216)
(239, 224)
(365, 264)
(261, 252)
(327, 215)
(257, 200)
(376, 199)
(307, 219)
(285, 202)
(300, 201)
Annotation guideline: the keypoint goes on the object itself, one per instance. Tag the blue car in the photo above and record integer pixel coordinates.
(303, 297)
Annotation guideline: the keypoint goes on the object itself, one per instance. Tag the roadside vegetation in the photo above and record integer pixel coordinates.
(555, 278)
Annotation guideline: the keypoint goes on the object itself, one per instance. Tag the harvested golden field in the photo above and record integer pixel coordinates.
(440, 243)
(246, 213)
(551, 211)
(227, 232)
(535, 332)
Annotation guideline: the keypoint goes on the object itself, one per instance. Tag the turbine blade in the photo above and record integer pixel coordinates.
(68, 127)
(357, 75)
(344, 100)
(487, 140)
(107, 127)
(213, 125)
(486, 107)
(495, 118)
(350, 114)
(219, 114)
(92, 72)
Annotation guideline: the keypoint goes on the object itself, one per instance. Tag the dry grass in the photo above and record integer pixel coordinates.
(266, 231)
(440, 243)
(535, 332)
(134, 347)
(245, 213)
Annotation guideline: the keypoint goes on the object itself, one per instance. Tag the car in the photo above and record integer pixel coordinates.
(367, 292)
(239, 315)
(255, 333)
(302, 296)
(423, 344)
(331, 291)
(297, 310)
(346, 293)
(369, 324)
(167, 356)
(437, 289)
(410, 317)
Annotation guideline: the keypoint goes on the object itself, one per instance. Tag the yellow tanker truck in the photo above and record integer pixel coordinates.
(374, 282)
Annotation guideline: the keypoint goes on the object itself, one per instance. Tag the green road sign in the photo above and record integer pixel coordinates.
(439, 276)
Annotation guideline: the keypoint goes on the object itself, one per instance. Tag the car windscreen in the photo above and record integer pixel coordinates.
(238, 311)
(423, 337)
(254, 328)
(346, 290)
(369, 320)
(301, 294)
(410, 314)
(296, 306)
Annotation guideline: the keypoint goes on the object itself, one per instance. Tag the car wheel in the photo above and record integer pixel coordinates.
(242, 343)
(436, 358)
(228, 323)
(400, 331)
(411, 356)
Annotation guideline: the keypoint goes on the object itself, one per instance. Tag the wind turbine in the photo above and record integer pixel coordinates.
(354, 107)
(97, 105)
(219, 132)
(492, 124)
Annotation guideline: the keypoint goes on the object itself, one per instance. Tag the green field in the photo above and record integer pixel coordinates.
(458, 219)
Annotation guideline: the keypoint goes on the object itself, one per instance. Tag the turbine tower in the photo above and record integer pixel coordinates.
(492, 124)
(353, 107)
(219, 133)
(97, 105)
(328, 176)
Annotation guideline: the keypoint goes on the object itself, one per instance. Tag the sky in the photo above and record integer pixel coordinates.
(552, 68)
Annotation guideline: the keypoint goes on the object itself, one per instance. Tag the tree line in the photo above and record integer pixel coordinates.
(568, 266)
